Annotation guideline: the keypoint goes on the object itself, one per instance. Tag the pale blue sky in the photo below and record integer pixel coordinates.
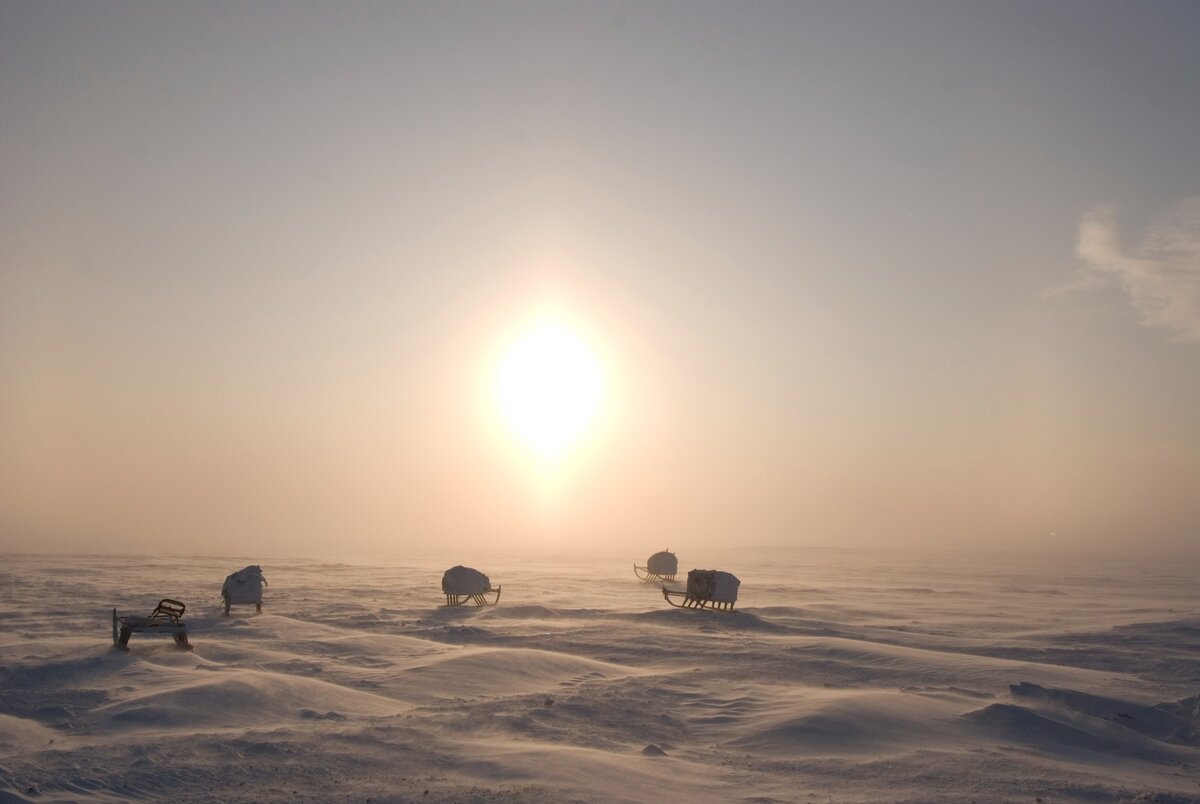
(889, 273)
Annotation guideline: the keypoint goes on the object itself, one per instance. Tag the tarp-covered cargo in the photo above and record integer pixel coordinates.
(465, 581)
(663, 563)
(712, 585)
(244, 586)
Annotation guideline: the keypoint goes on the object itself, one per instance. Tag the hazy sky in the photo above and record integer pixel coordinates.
(894, 273)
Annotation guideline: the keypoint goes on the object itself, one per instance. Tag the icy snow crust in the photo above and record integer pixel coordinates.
(842, 676)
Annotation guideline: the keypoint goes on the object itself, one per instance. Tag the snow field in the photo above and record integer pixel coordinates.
(842, 676)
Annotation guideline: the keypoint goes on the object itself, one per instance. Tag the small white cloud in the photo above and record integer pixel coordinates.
(1161, 278)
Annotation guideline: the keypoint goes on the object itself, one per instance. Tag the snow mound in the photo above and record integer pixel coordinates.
(237, 699)
(469, 672)
(1021, 725)
(17, 734)
(1170, 723)
(845, 724)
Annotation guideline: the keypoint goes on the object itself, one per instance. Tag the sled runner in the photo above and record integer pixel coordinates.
(661, 566)
(165, 619)
(706, 589)
(464, 586)
(244, 586)
(474, 600)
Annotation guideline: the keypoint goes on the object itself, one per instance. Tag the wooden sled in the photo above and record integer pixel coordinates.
(244, 587)
(479, 599)
(706, 589)
(661, 566)
(689, 602)
(644, 574)
(166, 618)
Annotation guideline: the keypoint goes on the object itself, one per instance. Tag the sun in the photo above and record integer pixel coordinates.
(549, 386)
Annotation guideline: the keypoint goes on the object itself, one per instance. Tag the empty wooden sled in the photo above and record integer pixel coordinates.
(464, 586)
(167, 618)
(661, 566)
(706, 589)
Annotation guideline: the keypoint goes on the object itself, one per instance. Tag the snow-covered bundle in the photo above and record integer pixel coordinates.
(663, 563)
(465, 581)
(244, 586)
(713, 585)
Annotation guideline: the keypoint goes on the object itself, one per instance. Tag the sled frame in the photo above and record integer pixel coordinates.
(644, 574)
(697, 603)
(257, 605)
(477, 600)
(166, 618)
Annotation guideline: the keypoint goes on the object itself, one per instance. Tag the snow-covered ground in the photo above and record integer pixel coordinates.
(843, 675)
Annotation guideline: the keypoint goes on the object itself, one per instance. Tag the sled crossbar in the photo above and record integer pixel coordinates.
(689, 602)
(478, 599)
(644, 574)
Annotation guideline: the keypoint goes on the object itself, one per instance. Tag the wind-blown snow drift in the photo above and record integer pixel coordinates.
(846, 676)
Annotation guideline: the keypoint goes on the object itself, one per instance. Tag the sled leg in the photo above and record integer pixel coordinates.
(258, 607)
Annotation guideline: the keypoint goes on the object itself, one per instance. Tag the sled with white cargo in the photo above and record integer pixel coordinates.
(706, 589)
(167, 618)
(464, 586)
(244, 587)
(662, 566)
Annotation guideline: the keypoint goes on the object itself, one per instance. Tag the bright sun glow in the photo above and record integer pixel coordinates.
(549, 387)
